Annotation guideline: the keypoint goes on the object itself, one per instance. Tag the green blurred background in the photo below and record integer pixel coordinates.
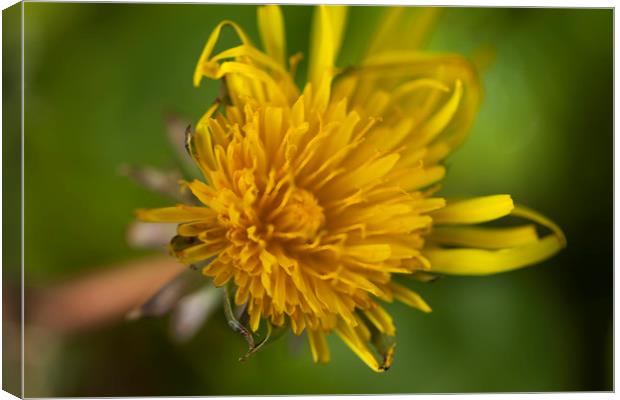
(100, 79)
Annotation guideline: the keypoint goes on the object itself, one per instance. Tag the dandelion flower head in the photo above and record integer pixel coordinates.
(318, 204)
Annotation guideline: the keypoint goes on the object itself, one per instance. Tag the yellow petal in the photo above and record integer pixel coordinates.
(180, 213)
(255, 314)
(204, 155)
(381, 319)
(447, 68)
(318, 346)
(254, 74)
(200, 227)
(255, 55)
(371, 171)
(404, 28)
(327, 29)
(475, 210)
(486, 262)
(386, 30)
(279, 290)
(420, 178)
(210, 45)
(486, 238)
(201, 252)
(438, 122)
(416, 84)
(371, 253)
(271, 30)
(203, 192)
(524, 212)
(409, 297)
(273, 123)
(358, 346)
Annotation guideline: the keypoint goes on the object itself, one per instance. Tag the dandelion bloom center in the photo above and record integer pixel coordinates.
(313, 223)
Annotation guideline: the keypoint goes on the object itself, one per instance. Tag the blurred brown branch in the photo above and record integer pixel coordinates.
(101, 297)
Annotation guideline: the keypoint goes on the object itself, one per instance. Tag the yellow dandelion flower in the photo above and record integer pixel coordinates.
(314, 201)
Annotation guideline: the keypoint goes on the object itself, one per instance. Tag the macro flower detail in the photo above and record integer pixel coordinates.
(317, 204)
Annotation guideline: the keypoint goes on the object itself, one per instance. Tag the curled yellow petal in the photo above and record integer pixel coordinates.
(517, 246)
(210, 45)
(524, 212)
(486, 262)
(475, 210)
(251, 52)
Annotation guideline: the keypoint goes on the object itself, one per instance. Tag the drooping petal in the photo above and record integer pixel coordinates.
(487, 262)
(518, 247)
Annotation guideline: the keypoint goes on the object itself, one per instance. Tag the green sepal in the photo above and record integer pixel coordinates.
(234, 324)
(239, 325)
